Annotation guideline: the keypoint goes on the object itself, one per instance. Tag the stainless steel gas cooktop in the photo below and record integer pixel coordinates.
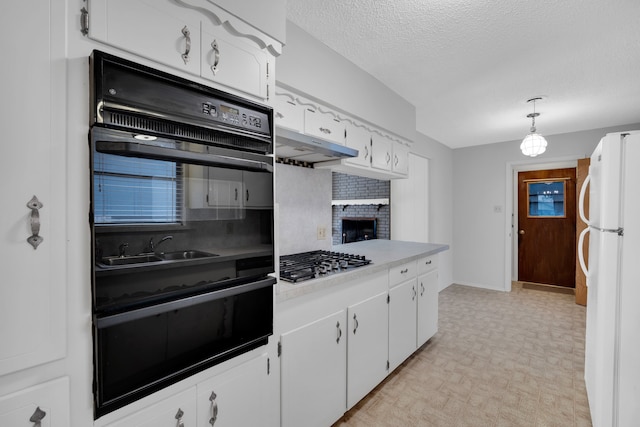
(311, 265)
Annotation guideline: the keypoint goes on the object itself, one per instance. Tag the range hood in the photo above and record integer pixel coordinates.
(310, 149)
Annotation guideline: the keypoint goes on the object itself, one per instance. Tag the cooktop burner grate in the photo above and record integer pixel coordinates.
(311, 265)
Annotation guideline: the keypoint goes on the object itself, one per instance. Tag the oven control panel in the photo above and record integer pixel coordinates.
(234, 115)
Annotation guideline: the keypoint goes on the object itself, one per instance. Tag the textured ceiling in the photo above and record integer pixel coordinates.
(470, 66)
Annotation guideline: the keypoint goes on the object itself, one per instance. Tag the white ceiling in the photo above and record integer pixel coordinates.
(469, 66)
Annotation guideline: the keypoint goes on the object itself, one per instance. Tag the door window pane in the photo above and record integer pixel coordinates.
(546, 198)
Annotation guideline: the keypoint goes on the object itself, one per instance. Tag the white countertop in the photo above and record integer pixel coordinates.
(382, 253)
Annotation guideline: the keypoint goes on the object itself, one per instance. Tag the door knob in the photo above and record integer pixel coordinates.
(521, 232)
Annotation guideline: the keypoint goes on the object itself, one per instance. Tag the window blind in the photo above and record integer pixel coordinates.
(136, 190)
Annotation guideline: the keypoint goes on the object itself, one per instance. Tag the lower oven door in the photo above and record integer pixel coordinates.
(149, 348)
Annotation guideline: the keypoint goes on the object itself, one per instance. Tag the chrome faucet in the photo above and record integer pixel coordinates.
(153, 246)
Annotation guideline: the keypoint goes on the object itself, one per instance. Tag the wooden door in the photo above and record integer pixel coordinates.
(581, 280)
(547, 227)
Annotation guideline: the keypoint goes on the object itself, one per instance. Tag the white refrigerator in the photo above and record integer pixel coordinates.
(612, 342)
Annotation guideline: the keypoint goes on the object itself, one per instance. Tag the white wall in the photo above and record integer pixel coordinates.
(440, 201)
(303, 196)
(480, 186)
(310, 66)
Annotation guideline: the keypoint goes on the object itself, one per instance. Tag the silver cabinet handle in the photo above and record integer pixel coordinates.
(325, 130)
(405, 271)
(388, 157)
(247, 191)
(37, 417)
(179, 416)
(428, 262)
(35, 239)
(187, 36)
(339, 332)
(414, 293)
(216, 57)
(214, 408)
(421, 289)
(366, 151)
(236, 194)
(355, 324)
(395, 160)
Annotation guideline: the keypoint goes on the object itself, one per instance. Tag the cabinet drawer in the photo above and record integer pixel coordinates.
(401, 273)
(323, 125)
(427, 264)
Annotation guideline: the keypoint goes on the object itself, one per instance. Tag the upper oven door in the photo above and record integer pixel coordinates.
(175, 217)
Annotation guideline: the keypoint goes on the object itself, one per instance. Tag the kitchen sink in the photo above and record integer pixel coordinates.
(131, 259)
(189, 254)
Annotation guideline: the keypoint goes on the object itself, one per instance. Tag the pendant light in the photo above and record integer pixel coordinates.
(533, 144)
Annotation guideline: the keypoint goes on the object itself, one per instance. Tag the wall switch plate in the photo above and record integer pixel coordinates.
(322, 232)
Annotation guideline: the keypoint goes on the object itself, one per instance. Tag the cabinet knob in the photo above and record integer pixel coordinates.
(187, 36)
(216, 56)
(37, 417)
(214, 408)
(521, 232)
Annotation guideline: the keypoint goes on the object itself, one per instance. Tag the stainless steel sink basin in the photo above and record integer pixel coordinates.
(189, 254)
(131, 259)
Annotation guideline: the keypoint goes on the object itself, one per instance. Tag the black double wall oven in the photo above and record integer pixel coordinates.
(182, 228)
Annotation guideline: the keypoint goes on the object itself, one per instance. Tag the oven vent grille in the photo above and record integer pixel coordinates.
(190, 132)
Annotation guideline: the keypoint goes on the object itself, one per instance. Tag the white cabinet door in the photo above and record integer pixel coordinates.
(238, 397)
(46, 402)
(323, 125)
(402, 322)
(381, 152)
(288, 114)
(233, 62)
(400, 159)
(33, 291)
(367, 346)
(427, 306)
(313, 372)
(177, 410)
(359, 138)
(157, 30)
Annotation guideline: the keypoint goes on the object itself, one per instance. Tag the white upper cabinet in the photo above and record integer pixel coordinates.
(288, 113)
(359, 138)
(381, 152)
(194, 36)
(32, 166)
(400, 158)
(157, 30)
(323, 125)
(233, 62)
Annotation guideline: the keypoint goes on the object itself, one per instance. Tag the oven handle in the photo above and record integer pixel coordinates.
(134, 149)
(128, 316)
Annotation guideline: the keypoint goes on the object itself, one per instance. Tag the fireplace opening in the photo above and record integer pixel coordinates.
(359, 229)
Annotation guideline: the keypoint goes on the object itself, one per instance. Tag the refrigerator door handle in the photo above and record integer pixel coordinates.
(583, 191)
(583, 265)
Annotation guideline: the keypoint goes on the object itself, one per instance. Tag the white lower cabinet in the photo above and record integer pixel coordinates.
(178, 410)
(238, 396)
(402, 322)
(367, 346)
(313, 371)
(45, 405)
(427, 306)
(235, 398)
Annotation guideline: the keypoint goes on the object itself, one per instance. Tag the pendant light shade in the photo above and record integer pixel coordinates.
(533, 144)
